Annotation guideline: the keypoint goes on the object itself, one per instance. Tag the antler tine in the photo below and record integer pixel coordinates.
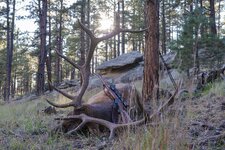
(68, 60)
(86, 29)
(117, 31)
(63, 93)
(71, 97)
(111, 126)
(74, 103)
(71, 104)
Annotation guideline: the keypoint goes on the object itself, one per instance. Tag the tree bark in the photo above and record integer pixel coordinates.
(123, 26)
(43, 53)
(202, 30)
(118, 24)
(114, 38)
(106, 50)
(49, 58)
(82, 38)
(10, 39)
(219, 16)
(59, 47)
(163, 28)
(88, 25)
(151, 57)
(212, 17)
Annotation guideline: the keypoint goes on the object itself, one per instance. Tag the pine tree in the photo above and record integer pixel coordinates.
(151, 57)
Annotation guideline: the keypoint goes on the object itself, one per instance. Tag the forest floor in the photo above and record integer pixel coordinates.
(195, 121)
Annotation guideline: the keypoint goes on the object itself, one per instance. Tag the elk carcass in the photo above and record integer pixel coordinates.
(100, 106)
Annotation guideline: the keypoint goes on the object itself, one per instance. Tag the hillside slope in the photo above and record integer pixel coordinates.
(194, 121)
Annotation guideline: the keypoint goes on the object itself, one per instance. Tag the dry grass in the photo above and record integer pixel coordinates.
(25, 126)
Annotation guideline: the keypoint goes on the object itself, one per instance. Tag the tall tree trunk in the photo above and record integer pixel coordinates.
(59, 47)
(13, 85)
(26, 84)
(48, 68)
(111, 48)
(49, 58)
(212, 17)
(43, 53)
(115, 24)
(10, 40)
(82, 37)
(133, 36)
(123, 26)
(151, 57)
(8, 68)
(72, 74)
(57, 58)
(202, 30)
(118, 24)
(219, 16)
(195, 50)
(106, 50)
(163, 28)
(169, 22)
(88, 25)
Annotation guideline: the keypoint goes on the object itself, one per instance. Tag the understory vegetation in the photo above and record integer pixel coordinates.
(24, 125)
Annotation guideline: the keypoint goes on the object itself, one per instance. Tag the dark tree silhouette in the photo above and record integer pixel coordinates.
(212, 17)
(10, 39)
(43, 52)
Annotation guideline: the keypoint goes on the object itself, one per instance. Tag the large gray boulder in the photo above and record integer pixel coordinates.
(132, 75)
(123, 62)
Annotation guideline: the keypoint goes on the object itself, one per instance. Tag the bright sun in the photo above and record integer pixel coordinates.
(105, 23)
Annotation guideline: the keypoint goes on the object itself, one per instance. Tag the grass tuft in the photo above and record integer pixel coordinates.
(217, 88)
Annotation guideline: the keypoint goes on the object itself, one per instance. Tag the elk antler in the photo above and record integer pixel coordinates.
(85, 68)
(112, 126)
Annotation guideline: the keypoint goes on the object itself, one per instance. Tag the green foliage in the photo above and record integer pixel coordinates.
(213, 51)
(195, 38)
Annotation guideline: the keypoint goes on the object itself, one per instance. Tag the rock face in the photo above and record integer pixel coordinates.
(128, 68)
(123, 62)
(130, 61)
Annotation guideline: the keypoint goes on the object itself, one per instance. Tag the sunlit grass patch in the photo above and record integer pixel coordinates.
(217, 88)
